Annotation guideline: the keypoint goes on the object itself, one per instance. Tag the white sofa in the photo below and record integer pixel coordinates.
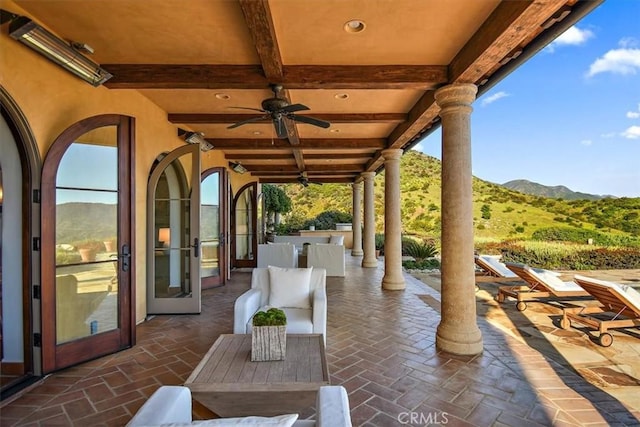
(277, 254)
(172, 404)
(312, 320)
(327, 256)
(299, 241)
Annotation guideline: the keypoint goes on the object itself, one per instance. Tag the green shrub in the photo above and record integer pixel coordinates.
(419, 250)
(379, 242)
(425, 264)
(580, 235)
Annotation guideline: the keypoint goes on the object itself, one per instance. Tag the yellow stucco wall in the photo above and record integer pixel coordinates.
(53, 99)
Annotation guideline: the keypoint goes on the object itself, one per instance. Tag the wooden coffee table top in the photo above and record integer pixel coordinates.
(227, 366)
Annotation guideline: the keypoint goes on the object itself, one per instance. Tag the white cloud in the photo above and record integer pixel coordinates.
(493, 98)
(617, 61)
(574, 36)
(634, 114)
(586, 142)
(632, 132)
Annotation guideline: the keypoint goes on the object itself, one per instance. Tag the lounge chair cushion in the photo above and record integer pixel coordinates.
(551, 279)
(250, 421)
(290, 287)
(499, 267)
(632, 295)
(627, 291)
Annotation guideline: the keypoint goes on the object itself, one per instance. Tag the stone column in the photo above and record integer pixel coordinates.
(369, 259)
(393, 278)
(458, 330)
(356, 224)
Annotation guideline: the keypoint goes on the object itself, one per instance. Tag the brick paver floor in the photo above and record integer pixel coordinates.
(380, 346)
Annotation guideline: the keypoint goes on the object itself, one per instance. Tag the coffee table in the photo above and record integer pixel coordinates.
(228, 383)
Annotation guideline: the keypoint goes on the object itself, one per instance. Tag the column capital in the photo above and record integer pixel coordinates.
(391, 153)
(456, 94)
(356, 186)
(368, 175)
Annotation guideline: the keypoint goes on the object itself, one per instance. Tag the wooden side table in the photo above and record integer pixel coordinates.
(228, 383)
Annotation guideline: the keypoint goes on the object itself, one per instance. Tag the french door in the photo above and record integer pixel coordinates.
(87, 225)
(173, 233)
(213, 227)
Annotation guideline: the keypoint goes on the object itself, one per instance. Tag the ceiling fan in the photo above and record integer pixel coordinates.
(277, 109)
(304, 180)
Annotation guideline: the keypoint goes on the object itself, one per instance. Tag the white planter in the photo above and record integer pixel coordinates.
(268, 343)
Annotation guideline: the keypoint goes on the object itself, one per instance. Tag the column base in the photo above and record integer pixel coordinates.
(392, 284)
(370, 263)
(462, 343)
(357, 252)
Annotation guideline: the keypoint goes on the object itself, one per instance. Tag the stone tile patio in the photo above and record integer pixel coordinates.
(381, 347)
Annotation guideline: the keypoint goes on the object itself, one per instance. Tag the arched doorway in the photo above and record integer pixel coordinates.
(88, 293)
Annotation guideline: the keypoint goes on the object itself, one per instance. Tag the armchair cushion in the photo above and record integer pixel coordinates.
(250, 421)
(289, 287)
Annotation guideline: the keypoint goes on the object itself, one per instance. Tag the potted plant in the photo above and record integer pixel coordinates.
(268, 335)
(88, 249)
(379, 244)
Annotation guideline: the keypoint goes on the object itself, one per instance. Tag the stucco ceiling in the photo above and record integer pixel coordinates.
(197, 58)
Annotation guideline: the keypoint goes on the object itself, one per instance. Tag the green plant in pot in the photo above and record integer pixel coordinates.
(269, 335)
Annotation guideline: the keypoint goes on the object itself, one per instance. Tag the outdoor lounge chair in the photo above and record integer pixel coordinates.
(620, 300)
(539, 284)
(492, 266)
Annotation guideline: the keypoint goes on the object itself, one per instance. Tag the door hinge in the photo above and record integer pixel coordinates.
(36, 291)
(36, 196)
(37, 339)
(36, 243)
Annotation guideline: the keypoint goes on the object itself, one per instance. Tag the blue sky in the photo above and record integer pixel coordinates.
(568, 116)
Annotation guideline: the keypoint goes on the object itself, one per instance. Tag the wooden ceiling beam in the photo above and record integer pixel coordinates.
(511, 24)
(212, 76)
(257, 16)
(277, 180)
(258, 169)
(310, 157)
(309, 143)
(222, 118)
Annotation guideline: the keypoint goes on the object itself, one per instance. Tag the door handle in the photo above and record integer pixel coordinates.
(125, 256)
(196, 247)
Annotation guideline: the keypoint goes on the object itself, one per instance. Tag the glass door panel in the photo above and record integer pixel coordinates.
(86, 280)
(174, 219)
(245, 244)
(212, 230)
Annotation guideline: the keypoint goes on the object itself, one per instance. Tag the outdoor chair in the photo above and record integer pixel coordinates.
(300, 292)
(491, 266)
(277, 254)
(539, 284)
(621, 302)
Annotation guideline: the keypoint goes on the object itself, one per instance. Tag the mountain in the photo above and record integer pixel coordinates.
(553, 192)
(499, 213)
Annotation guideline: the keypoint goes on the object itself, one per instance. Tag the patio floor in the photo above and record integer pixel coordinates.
(380, 346)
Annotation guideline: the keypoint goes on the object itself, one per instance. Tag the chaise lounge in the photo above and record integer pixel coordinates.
(491, 266)
(539, 284)
(622, 302)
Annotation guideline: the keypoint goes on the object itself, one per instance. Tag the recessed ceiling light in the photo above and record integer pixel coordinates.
(341, 96)
(223, 96)
(354, 26)
(257, 132)
(334, 130)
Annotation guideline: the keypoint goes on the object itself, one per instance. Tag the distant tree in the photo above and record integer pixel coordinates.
(276, 200)
(486, 211)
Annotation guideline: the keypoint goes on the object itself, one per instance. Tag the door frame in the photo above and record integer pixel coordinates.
(31, 165)
(56, 356)
(244, 263)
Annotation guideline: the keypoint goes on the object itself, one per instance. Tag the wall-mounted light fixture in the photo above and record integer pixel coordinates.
(237, 167)
(195, 138)
(66, 55)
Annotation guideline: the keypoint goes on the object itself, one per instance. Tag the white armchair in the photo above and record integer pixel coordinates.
(300, 292)
(277, 254)
(172, 404)
(328, 256)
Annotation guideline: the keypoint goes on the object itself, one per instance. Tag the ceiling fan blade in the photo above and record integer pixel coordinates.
(281, 129)
(309, 120)
(293, 108)
(248, 108)
(251, 120)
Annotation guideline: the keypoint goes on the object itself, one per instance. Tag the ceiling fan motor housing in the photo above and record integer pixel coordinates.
(274, 104)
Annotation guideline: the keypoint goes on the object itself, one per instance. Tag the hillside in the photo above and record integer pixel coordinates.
(499, 213)
(553, 192)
